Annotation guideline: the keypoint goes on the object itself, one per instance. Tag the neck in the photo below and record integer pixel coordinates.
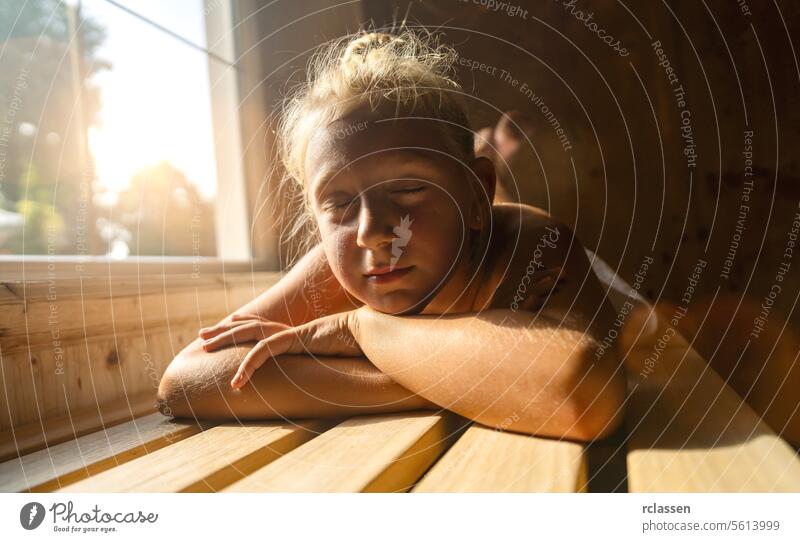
(460, 292)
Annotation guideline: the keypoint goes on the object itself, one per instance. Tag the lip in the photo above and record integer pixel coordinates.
(382, 275)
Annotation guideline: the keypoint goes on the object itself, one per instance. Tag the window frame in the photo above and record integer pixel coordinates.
(238, 178)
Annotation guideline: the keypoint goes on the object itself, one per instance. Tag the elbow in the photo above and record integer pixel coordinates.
(591, 403)
(179, 397)
(599, 410)
(172, 398)
(598, 396)
(585, 414)
(195, 385)
(599, 423)
(167, 396)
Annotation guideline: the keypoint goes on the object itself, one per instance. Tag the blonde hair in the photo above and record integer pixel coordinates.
(410, 70)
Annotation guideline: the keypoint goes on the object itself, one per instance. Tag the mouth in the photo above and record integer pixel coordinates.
(382, 275)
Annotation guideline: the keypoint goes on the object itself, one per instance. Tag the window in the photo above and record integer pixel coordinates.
(119, 131)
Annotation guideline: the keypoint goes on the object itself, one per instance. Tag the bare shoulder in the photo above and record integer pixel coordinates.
(540, 265)
(514, 216)
(526, 234)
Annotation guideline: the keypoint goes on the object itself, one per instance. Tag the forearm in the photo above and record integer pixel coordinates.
(290, 386)
(508, 369)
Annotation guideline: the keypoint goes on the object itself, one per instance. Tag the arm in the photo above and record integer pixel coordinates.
(195, 385)
(506, 369)
(196, 382)
(308, 291)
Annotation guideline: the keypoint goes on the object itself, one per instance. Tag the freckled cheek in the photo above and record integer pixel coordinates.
(343, 258)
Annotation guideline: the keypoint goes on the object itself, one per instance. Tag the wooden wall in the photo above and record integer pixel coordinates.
(73, 344)
(624, 182)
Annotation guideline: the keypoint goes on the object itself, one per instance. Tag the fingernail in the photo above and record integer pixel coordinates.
(236, 380)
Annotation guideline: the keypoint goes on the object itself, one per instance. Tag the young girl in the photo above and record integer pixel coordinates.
(419, 293)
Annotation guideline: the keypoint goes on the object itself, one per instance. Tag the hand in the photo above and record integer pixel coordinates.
(534, 290)
(239, 328)
(331, 335)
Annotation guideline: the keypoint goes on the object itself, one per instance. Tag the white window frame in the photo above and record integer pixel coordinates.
(232, 214)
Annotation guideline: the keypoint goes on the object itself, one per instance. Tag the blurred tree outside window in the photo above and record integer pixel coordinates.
(106, 138)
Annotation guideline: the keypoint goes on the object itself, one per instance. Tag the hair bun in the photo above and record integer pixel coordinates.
(359, 49)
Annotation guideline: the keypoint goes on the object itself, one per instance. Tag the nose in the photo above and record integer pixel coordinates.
(375, 223)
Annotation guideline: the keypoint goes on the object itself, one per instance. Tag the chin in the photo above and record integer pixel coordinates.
(398, 304)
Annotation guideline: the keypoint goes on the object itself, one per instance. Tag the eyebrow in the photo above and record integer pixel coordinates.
(413, 156)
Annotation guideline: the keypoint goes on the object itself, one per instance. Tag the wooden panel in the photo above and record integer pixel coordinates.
(17, 290)
(366, 453)
(100, 371)
(688, 430)
(486, 460)
(35, 436)
(74, 460)
(208, 461)
(70, 344)
(69, 319)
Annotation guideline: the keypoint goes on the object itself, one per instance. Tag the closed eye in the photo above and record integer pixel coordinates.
(411, 190)
(333, 206)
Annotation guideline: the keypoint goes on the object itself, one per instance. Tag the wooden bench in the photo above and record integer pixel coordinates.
(685, 430)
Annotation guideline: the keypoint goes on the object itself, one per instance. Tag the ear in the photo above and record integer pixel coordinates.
(483, 170)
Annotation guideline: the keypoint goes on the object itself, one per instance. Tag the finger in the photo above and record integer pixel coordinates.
(484, 142)
(284, 342)
(544, 284)
(244, 316)
(252, 361)
(248, 331)
(208, 332)
(552, 282)
(238, 334)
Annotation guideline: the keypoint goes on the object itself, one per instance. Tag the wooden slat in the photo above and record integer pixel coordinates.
(76, 459)
(35, 436)
(208, 461)
(366, 453)
(487, 460)
(102, 371)
(689, 431)
(15, 290)
(69, 344)
(31, 324)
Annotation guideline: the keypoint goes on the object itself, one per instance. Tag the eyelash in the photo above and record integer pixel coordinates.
(405, 191)
(341, 205)
(412, 190)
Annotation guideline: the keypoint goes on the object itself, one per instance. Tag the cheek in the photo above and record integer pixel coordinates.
(340, 248)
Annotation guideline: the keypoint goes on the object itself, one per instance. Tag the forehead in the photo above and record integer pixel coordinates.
(362, 138)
